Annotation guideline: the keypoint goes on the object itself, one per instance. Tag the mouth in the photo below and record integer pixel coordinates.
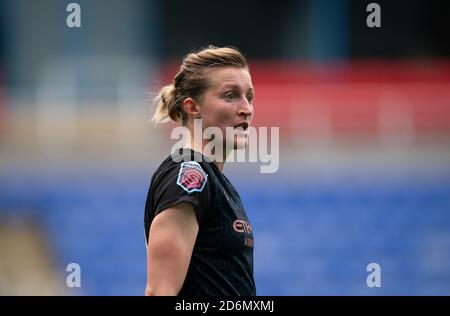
(243, 125)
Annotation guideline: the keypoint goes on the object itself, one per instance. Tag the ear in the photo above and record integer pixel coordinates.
(191, 108)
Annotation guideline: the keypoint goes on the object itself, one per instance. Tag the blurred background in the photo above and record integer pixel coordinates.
(364, 117)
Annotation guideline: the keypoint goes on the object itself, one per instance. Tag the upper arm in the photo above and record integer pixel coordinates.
(171, 240)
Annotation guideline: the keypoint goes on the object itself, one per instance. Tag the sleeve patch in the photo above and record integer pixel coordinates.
(191, 177)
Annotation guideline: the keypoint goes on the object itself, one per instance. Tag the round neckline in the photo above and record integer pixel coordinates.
(192, 153)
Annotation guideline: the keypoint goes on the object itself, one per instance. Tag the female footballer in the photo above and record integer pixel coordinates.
(199, 239)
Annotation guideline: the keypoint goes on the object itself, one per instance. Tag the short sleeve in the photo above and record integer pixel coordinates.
(184, 182)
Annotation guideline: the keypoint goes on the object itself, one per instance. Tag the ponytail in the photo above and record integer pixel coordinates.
(167, 106)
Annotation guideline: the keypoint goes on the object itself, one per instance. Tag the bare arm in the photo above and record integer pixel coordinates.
(171, 240)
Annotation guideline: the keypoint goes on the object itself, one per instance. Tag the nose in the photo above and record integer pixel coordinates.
(246, 109)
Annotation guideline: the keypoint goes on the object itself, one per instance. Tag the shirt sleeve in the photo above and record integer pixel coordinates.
(184, 182)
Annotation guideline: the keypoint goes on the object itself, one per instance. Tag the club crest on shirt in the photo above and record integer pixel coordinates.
(191, 177)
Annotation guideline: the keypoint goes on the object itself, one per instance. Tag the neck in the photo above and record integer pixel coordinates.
(199, 148)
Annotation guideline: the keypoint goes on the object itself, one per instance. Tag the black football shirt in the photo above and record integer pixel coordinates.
(222, 258)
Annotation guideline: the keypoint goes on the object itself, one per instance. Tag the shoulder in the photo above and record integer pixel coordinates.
(190, 175)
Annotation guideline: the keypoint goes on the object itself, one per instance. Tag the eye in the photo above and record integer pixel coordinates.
(250, 98)
(230, 96)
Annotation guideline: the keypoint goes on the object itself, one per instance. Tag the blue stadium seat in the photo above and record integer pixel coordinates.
(310, 238)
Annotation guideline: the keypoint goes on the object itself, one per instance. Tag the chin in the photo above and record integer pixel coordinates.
(240, 143)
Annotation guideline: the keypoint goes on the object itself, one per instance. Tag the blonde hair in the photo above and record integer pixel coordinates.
(191, 81)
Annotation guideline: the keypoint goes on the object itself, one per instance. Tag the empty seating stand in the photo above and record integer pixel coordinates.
(310, 238)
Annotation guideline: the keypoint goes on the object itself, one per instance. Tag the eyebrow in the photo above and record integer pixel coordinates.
(234, 86)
